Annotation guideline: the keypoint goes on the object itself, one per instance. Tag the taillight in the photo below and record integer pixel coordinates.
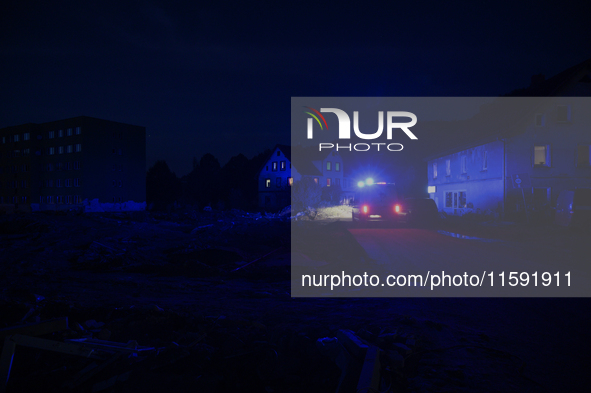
(365, 208)
(397, 208)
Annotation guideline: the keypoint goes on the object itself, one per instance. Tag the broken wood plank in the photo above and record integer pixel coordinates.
(369, 379)
(37, 329)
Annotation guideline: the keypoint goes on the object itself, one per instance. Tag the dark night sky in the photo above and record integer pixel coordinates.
(215, 77)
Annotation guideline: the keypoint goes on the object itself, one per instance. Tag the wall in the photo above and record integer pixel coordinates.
(483, 187)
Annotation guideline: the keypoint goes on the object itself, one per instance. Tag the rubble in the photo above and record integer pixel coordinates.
(199, 301)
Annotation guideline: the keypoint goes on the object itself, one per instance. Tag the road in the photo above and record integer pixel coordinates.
(400, 250)
(547, 334)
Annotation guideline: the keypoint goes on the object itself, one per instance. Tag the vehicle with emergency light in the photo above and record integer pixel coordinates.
(375, 201)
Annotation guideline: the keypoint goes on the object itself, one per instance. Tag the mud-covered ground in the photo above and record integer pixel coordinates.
(210, 292)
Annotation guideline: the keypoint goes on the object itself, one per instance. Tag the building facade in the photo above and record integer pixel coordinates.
(279, 173)
(91, 163)
(511, 173)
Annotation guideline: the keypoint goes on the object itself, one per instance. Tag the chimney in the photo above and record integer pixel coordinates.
(537, 80)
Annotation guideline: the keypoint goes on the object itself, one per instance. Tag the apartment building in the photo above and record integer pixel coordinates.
(82, 161)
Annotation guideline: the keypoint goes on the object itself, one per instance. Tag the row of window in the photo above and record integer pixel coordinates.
(19, 153)
(563, 115)
(541, 158)
(337, 166)
(274, 165)
(62, 133)
(337, 181)
(60, 199)
(279, 182)
(17, 168)
(64, 149)
(50, 183)
(463, 165)
(13, 199)
(16, 184)
(16, 138)
(50, 135)
(458, 199)
(61, 166)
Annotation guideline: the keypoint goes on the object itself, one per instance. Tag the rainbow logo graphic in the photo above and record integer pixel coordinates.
(315, 117)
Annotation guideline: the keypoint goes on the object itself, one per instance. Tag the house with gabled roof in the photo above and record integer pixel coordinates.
(280, 172)
(522, 160)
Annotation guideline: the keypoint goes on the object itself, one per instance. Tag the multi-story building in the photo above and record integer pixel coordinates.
(92, 163)
(526, 163)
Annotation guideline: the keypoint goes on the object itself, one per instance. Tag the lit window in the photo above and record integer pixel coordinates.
(434, 170)
(278, 182)
(290, 181)
(78, 130)
(542, 155)
(69, 132)
(337, 166)
(60, 134)
(51, 136)
(268, 183)
(316, 180)
(274, 166)
(328, 182)
(26, 136)
(583, 155)
(447, 167)
(328, 165)
(78, 147)
(485, 161)
(282, 165)
(464, 158)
